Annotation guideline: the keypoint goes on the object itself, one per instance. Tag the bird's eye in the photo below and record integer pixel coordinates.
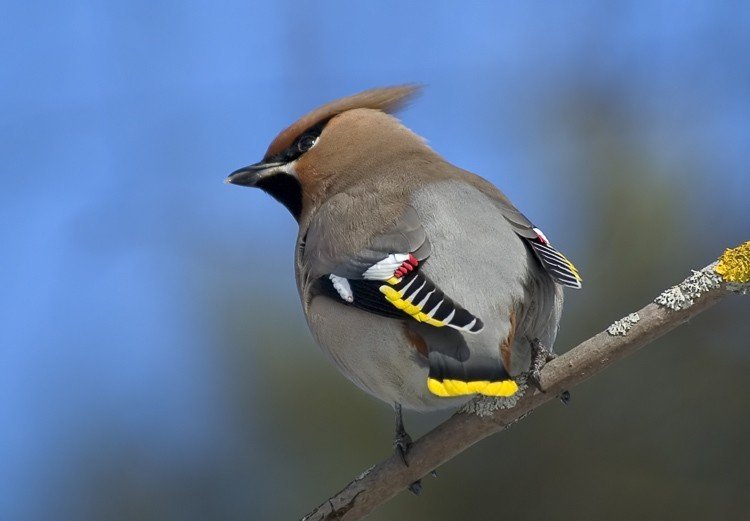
(306, 142)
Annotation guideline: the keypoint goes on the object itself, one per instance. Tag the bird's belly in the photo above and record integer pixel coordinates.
(375, 353)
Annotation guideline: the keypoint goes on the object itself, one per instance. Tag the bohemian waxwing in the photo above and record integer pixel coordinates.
(421, 281)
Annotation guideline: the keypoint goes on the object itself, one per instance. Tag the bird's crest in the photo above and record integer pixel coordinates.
(386, 99)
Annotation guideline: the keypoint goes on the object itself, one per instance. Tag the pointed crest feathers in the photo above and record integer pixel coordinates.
(386, 99)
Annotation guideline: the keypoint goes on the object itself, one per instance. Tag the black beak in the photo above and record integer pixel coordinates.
(250, 175)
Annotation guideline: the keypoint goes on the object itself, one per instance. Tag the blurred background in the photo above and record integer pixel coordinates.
(140, 376)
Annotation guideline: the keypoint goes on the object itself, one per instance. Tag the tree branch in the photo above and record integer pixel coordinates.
(485, 416)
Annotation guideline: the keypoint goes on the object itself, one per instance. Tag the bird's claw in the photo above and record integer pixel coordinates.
(540, 355)
(401, 443)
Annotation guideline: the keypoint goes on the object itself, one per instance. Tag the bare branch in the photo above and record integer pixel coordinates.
(485, 416)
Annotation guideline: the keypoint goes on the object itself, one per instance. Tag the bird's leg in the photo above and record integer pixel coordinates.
(540, 355)
(402, 442)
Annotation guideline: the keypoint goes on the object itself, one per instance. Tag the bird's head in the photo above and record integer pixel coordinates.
(332, 146)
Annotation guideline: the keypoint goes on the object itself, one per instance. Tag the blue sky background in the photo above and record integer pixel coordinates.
(123, 253)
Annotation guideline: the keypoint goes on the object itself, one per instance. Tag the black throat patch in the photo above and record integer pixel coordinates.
(286, 190)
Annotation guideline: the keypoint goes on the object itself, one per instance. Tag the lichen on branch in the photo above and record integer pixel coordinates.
(734, 264)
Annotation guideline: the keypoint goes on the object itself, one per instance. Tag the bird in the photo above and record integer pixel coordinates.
(421, 281)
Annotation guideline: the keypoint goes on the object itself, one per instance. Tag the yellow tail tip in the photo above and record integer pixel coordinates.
(449, 387)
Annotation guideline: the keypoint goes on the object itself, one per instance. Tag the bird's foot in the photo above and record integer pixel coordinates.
(540, 355)
(401, 443)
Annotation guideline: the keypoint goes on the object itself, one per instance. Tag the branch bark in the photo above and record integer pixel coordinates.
(481, 417)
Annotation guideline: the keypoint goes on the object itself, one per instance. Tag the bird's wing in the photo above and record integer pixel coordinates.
(384, 277)
(555, 263)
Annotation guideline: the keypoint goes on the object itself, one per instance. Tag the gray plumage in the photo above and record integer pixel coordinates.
(367, 190)
(477, 258)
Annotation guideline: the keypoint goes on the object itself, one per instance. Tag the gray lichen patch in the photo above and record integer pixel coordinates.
(683, 295)
(622, 326)
(486, 405)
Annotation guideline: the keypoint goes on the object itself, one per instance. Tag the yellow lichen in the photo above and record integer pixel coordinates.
(734, 264)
